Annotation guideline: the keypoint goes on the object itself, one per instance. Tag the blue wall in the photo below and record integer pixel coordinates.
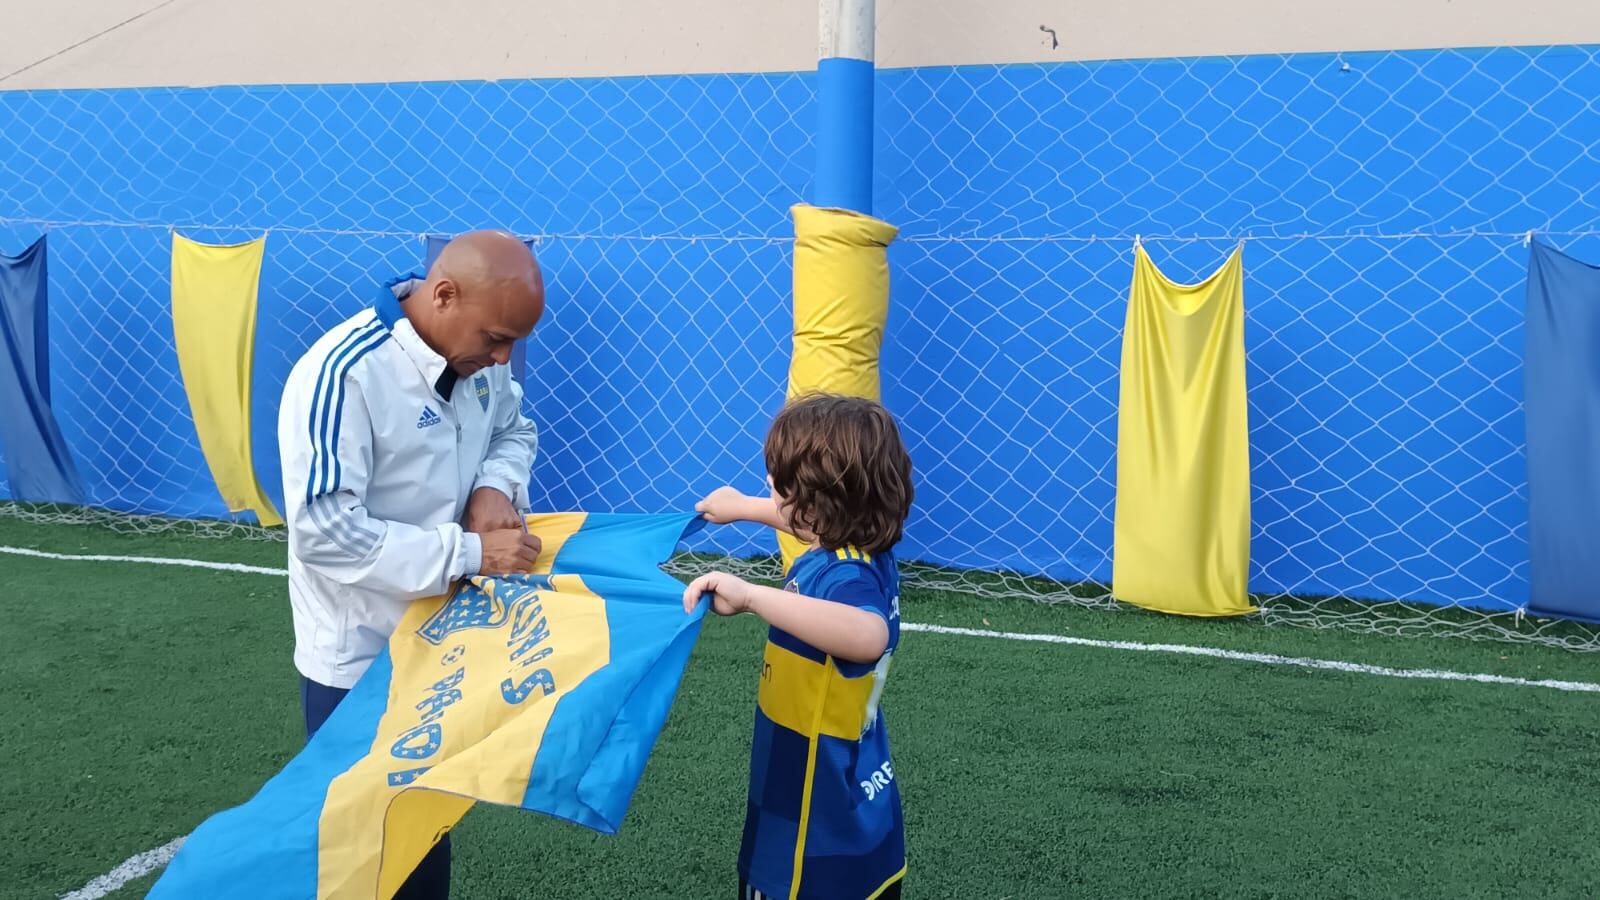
(1383, 198)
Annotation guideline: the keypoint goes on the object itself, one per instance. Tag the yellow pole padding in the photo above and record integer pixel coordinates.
(841, 301)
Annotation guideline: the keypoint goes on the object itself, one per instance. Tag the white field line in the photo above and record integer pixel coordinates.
(148, 560)
(132, 869)
(1271, 659)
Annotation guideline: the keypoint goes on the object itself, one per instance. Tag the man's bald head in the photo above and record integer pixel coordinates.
(487, 257)
(484, 293)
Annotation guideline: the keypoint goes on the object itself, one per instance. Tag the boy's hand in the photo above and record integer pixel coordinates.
(729, 595)
(722, 506)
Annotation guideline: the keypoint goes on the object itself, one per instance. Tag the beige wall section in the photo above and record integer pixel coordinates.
(43, 29)
(938, 32)
(205, 42)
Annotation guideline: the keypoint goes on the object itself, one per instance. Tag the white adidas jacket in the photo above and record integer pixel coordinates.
(381, 448)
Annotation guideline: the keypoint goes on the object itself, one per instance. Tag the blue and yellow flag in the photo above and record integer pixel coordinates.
(544, 692)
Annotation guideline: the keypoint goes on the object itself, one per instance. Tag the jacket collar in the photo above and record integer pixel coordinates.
(435, 369)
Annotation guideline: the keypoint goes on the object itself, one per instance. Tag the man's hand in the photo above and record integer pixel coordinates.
(489, 510)
(509, 551)
(723, 505)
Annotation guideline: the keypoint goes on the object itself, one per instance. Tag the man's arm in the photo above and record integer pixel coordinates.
(513, 442)
(327, 464)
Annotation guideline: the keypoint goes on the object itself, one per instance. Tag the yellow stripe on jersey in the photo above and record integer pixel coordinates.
(888, 884)
(811, 698)
(805, 802)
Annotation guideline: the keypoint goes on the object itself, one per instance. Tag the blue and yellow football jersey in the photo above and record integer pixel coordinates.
(824, 814)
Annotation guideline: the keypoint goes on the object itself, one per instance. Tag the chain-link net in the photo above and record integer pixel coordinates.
(1383, 199)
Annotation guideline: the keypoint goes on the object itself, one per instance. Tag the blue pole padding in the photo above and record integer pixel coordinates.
(844, 134)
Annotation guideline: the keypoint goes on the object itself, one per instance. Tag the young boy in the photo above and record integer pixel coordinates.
(823, 817)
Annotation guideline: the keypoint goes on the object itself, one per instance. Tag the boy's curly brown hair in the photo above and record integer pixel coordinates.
(840, 463)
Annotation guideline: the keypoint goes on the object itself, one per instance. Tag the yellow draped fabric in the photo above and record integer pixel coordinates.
(214, 323)
(841, 300)
(1183, 454)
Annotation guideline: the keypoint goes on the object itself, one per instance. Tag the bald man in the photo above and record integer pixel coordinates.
(406, 458)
